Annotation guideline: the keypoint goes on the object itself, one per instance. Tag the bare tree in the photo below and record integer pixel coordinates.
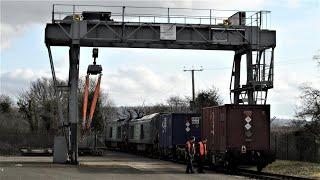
(178, 104)
(317, 57)
(157, 108)
(310, 109)
(310, 103)
(126, 113)
(39, 106)
(28, 109)
(138, 111)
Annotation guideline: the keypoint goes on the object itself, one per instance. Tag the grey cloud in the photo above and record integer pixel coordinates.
(133, 85)
(13, 83)
(16, 16)
(26, 12)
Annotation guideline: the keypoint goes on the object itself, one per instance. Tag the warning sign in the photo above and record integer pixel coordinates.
(195, 120)
(168, 32)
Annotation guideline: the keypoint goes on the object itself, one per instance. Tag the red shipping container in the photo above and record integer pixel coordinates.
(230, 127)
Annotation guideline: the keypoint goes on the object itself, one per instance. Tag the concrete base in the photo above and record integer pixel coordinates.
(60, 150)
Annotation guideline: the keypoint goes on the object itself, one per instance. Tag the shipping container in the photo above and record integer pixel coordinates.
(176, 128)
(240, 130)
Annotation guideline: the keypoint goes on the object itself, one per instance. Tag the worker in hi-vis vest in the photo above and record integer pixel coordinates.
(201, 154)
(190, 150)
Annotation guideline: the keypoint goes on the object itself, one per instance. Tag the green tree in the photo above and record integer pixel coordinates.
(5, 104)
(207, 98)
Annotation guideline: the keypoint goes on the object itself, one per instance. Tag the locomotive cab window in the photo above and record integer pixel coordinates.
(110, 132)
(141, 132)
(119, 132)
(131, 132)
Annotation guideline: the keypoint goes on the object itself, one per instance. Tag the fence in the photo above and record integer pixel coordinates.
(294, 146)
(163, 14)
(10, 143)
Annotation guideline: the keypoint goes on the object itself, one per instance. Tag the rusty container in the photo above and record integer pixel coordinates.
(233, 127)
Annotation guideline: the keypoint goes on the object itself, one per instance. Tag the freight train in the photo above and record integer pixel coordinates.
(157, 134)
(237, 135)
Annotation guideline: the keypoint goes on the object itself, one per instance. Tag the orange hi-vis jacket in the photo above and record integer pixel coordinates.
(190, 147)
(202, 149)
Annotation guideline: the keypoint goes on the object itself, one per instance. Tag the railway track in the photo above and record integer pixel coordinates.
(250, 173)
(269, 176)
(244, 172)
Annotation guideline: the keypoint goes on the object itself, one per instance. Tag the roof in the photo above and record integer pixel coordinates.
(147, 117)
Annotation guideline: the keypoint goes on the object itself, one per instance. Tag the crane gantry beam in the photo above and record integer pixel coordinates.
(147, 35)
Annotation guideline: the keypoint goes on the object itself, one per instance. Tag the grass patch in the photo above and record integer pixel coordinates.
(294, 168)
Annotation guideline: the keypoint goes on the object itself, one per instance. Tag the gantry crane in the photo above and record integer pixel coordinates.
(165, 28)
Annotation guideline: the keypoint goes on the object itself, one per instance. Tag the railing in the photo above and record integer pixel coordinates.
(163, 15)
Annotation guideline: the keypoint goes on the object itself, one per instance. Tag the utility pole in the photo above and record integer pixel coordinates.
(317, 57)
(193, 91)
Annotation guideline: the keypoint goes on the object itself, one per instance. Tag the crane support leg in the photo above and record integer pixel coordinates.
(73, 101)
(250, 77)
(237, 66)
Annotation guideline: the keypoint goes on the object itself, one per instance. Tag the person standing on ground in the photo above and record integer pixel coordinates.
(190, 154)
(201, 154)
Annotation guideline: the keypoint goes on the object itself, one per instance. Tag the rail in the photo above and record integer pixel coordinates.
(270, 176)
(127, 14)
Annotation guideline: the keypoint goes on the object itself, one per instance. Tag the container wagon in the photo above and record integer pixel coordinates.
(174, 130)
(237, 135)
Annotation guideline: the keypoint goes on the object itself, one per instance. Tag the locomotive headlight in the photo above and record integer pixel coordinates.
(243, 149)
(77, 17)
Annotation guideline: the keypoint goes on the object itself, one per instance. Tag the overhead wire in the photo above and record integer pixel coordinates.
(281, 63)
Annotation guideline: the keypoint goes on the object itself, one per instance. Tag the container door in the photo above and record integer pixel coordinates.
(169, 131)
(180, 132)
(206, 124)
(163, 131)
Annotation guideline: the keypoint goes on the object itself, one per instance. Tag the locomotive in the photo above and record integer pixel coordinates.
(237, 135)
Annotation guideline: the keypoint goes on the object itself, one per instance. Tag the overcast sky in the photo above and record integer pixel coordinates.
(136, 76)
